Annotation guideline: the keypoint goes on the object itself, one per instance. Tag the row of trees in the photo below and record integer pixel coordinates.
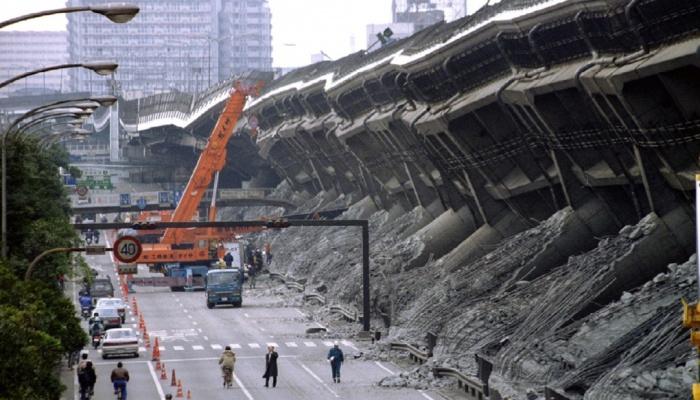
(38, 324)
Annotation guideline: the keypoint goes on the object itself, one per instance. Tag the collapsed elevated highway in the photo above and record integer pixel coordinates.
(486, 153)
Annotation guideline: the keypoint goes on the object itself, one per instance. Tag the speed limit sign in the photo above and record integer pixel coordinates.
(127, 249)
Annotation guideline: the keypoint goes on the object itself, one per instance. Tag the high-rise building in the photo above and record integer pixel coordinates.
(26, 51)
(180, 45)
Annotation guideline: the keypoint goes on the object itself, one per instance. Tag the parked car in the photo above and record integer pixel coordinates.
(101, 287)
(110, 317)
(122, 341)
(113, 302)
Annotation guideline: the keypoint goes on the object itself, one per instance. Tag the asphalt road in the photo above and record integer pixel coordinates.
(192, 337)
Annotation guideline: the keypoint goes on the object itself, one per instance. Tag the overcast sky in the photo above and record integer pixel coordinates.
(299, 27)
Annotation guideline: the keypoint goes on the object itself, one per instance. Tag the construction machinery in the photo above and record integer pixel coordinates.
(200, 245)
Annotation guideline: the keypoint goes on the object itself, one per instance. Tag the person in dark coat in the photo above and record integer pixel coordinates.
(86, 378)
(228, 259)
(270, 366)
(335, 356)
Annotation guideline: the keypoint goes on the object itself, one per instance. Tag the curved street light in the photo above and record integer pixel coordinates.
(115, 12)
(105, 101)
(99, 67)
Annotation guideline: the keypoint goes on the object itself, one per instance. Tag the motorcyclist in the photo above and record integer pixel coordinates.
(227, 362)
(85, 300)
(96, 325)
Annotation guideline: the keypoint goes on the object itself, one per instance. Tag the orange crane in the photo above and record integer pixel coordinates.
(187, 245)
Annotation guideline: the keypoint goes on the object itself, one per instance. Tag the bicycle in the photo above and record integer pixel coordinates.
(228, 376)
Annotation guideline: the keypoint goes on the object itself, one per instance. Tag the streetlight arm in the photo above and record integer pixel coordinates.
(43, 14)
(43, 118)
(38, 71)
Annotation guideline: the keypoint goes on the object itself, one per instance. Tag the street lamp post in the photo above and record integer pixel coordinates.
(102, 100)
(116, 12)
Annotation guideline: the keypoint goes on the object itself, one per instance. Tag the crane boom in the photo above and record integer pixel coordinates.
(212, 160)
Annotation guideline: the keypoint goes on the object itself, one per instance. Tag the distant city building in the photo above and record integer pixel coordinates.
(179, 45)
(26, 51)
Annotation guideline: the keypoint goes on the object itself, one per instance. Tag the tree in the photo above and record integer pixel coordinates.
(38, 324)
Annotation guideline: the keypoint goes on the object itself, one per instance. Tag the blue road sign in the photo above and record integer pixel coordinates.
(124, 199)
(163, 197)
(141, 203)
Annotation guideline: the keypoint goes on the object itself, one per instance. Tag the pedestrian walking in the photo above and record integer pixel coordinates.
(335, 356)
(252, 272)
(86, 379)
(271, 366)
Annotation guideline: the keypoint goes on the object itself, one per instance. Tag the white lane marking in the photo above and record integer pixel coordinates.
(161, 348)
(327, 343)
(246, 315)
(197, 347)
(200, 330)
(384, 368)
(273, 344)
(189, 316)
(194, 322)
(235, 345)
(262, 329)
(310, 344)
(425, 395)
(216, 347)
(178, 348)
(155, 380)
(245, 391)
(318, 379)
(184, 310)
(206, 337)
(254, 345)
(291, 344)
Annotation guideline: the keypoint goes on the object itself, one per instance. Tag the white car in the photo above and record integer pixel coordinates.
(120, 341)
(113, 302)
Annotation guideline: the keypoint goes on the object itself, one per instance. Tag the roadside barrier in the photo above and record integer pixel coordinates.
(315, 297)
(414, 353)
(472, 387)
(350, 315)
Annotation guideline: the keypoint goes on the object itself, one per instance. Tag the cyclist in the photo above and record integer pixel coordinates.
(119, 378)
(227, 362)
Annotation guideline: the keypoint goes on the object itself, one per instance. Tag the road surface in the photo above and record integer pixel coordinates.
(192, 337)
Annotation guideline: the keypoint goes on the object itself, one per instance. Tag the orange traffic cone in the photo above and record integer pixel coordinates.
(141, 322)
(156, 352)
(189, 395)
(179, 389)
(163, 374)
(173, 381)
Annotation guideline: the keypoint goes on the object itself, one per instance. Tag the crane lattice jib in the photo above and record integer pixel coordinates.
(212, 160)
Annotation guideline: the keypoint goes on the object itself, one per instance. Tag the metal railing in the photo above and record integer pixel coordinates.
(414, 353)
(350, 315)
(472, 387)
(315, 297)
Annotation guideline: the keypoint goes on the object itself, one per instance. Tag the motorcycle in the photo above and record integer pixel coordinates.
(88, 239)
(96, 339)
(86, 312)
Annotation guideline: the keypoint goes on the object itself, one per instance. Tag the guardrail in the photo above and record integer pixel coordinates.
(414, 353)
(291, 284)
(315, 297)
(473, 388)
(350, 315)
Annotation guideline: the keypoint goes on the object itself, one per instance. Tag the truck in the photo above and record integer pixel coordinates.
(224, 286)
